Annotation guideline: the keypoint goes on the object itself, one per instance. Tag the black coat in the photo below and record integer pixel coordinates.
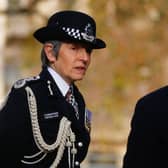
(16, 137)
(148, 139)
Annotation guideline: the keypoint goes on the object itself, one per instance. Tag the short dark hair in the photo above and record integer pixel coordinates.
(56, 46)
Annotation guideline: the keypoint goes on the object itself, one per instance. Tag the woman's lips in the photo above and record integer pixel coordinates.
(81, 69)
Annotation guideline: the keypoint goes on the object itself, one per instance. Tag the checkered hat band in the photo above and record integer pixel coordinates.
(75, 33)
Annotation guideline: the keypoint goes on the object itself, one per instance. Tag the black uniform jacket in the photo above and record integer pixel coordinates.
(148, 139)
(16, 137)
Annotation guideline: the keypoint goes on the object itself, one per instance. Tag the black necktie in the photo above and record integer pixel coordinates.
(71, 99)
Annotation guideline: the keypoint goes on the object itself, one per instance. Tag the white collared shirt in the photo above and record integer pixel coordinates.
(62, 85)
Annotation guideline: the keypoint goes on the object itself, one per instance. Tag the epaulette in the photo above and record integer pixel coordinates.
(22, 82)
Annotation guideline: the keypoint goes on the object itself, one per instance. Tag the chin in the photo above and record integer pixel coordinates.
(78, 78)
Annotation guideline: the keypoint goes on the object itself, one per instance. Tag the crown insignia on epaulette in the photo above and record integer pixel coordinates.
(20, 83)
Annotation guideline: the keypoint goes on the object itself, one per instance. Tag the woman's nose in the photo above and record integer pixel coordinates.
(84, 55)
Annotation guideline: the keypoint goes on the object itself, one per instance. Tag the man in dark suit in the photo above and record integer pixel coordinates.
(44, 122)
(148, 139)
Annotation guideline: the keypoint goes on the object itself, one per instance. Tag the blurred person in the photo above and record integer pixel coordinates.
(147, 144)
(44, 121)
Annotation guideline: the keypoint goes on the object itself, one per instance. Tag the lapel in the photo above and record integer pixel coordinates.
(45, 76)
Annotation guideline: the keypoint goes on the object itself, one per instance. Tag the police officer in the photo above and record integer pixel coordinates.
(44, 122)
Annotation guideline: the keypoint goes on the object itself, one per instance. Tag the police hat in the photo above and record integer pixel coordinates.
(72, 26)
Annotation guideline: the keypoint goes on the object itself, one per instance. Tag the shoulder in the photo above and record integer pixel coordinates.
(158, 96)
(150, 108)
(17, 91)
(19, 86)
(21, 83)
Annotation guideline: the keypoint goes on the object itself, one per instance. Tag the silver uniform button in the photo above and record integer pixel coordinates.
(77, 163)
(80, 144)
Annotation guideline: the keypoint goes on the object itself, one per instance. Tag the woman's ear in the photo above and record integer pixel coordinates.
(48, 48)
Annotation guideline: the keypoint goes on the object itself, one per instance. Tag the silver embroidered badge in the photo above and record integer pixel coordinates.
(88, 34)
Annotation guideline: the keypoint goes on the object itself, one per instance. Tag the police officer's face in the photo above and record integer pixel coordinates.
(72, 61)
